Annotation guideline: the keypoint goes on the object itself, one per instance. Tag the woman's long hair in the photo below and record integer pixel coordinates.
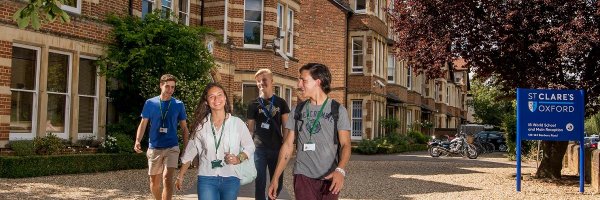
(202, 109)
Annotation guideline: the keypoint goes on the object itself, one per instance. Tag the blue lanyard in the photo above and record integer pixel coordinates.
(267, 112)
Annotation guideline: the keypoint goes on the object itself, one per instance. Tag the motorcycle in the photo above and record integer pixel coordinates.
(458, 145)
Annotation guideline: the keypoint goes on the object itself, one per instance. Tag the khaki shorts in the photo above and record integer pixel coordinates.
(158, 159)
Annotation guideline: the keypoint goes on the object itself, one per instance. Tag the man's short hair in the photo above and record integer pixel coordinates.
(263, 71)
(321, 72)
(166, 78)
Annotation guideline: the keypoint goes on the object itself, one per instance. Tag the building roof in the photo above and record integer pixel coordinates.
(343, 5)
(460, 64)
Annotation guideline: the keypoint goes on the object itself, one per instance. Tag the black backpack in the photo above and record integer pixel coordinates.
(335, 111)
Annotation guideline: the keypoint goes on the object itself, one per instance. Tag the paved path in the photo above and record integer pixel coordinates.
(400, 176)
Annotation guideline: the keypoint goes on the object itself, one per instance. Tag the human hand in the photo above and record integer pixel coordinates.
(178, 183)
(337, 182)
(137, 147)
(272, 192)
(232, 159)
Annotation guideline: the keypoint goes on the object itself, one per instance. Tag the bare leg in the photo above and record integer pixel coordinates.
(167, 193)
(155, 186)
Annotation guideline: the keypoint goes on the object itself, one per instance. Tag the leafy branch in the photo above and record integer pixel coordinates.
(38, 12)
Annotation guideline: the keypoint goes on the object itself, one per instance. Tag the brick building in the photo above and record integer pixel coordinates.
(382, 86)
(48, 82)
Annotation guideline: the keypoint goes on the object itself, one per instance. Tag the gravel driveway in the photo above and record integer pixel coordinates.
(400, 176)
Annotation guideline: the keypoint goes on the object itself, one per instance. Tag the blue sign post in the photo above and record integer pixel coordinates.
(554, 115)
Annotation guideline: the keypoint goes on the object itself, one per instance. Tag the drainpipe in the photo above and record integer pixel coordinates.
(225, 19)
(201, 13)
(130, 7)
(348, 15)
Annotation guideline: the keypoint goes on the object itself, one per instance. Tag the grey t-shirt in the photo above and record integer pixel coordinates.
(319, 163)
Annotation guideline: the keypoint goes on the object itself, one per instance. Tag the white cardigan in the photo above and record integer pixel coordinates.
(203, 145)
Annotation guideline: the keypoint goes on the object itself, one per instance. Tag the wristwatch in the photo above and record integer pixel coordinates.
(341, 171)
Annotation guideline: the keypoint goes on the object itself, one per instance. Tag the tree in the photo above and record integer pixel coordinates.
(141, 51)
(592, 124)
(527, 44)
(490, 103)
(38, 12)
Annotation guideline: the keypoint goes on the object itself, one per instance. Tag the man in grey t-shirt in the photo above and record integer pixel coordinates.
(322, 154)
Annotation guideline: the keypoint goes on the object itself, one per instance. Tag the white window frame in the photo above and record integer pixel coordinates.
(35, 91)
(72, 9)
(276, 88)
(361, 10)
(290, 33)
(377, 8)
(67, 124)
(96, 105)
(186, 12)
(163, 6)
(358, 119)
(447, 94)
(252, 84)
(152, 3)
(391, 66)
(280, 11)
(262, 18)
(409, 119)
(409, 78)
(288, 95)
(358, 69)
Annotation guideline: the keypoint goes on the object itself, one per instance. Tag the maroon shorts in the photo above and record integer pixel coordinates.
(306, 188)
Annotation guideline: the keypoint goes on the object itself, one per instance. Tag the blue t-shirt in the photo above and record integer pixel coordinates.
(175, 113)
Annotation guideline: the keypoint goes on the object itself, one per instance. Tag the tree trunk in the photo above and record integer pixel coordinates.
(552, 158)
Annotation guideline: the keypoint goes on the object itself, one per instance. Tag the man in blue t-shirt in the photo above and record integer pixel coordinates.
(163, 112)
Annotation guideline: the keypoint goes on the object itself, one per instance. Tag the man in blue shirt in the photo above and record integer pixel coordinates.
(163, 112)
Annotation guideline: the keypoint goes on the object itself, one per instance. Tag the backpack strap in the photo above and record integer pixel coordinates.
(335, 112)
(298, 117)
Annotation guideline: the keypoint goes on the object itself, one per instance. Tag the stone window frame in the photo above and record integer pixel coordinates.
(35, 91)
(69, 8)
(262, 23)
(96, 97)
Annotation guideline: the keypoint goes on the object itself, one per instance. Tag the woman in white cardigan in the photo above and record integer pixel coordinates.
(217, 139)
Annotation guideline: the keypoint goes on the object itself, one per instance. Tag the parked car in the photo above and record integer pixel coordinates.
(494, 137)
(591, 142)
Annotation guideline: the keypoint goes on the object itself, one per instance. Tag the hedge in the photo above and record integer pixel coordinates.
(32, 166)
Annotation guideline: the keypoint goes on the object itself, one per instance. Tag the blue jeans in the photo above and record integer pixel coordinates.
(218, 188)
(263, 158)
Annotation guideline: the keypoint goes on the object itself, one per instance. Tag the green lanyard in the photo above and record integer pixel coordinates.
(217, 144)
(163, 117)
(312, 128)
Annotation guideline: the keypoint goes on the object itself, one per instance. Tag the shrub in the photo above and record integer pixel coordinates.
(22, 147)
(394, 138)
(32, 166)
(367, 146)
(418, 137)
(49, 145)
(117, 143)
(90, 141)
